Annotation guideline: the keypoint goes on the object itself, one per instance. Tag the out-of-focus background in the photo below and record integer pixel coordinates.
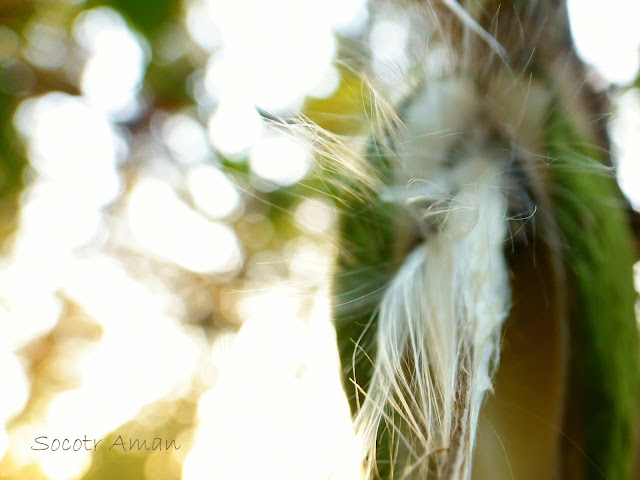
(166, 251)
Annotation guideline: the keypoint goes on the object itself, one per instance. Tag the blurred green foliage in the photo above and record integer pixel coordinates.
(147, 16)
(12, 166)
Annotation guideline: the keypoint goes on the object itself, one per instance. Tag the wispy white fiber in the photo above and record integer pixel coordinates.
(438, 338)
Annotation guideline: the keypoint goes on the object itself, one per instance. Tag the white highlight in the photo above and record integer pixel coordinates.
(16, 388)
(263, 384)
(72, 145)
(388, 41)
(280, 159)
(73, 150)
(235, 127)
(212, 191)
(117, 62)
(166, 227)
(315, 215)
(201, 27)
(257, 59)
(624, 128)
(4, 441)
(187, 139)
(327, 85)
(608, 38)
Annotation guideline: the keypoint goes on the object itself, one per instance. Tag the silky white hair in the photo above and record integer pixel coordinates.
(439, 321)
(450, 146)
(439, 330)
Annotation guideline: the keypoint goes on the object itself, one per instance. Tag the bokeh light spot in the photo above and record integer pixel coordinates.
(280, 159)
